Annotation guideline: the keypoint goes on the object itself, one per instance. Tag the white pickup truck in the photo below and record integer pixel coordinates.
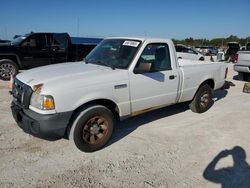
(121, 77)
(242, 64)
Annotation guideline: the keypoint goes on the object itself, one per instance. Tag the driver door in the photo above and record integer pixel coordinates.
(157, 84)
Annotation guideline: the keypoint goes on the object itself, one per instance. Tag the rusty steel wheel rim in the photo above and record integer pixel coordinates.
(95, 130)
(204, 99)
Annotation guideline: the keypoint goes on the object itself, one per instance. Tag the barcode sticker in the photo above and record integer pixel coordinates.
(130, 43)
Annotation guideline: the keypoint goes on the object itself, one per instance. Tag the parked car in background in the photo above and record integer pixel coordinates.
(39, 49)
(248, 46)
(4, 41)
(207, 50)
(184, 52)
(242, 63)
(233, 48)
(121, 77)
(242, 48)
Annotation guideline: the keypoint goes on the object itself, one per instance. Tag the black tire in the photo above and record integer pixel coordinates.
(201, 59)
(7, 67)
(243, 76)
(202, 100)
(92, 128)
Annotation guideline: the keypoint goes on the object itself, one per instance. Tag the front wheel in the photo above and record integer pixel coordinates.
(202, 100)
(7, 68)
(92, 128)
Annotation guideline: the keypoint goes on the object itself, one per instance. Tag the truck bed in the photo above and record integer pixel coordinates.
(243, 63)
(193, 72)
(244, 58)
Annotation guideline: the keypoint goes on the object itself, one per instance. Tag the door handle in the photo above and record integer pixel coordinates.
(171, 77)
(120, 86)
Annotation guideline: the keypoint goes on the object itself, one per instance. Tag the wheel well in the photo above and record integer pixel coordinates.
(202, 59)
(104, 102)
(209, 82)
(10, 57)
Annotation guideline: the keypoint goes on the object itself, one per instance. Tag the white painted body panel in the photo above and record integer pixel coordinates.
(196, 72)
(74, 84)
(190, 56)
(243, 64)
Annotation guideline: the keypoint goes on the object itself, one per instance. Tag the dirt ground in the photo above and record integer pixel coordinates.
(170, 147)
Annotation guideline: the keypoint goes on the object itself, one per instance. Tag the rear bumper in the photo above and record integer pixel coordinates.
(241, 68)
(49, 127)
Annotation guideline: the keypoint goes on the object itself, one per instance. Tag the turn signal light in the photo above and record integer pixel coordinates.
(48, 103)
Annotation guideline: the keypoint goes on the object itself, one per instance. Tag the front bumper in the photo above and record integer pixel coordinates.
(49, 127)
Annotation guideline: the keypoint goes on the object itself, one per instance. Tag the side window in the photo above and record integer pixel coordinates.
(178, 48)
(37, 41)
(188, 50)
(60, 42)
(155, 57)
(191, 51)
(185, 50)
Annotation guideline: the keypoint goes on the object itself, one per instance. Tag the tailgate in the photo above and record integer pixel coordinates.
(244, 58)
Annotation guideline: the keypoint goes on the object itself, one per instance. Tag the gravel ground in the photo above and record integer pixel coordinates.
(170, 147)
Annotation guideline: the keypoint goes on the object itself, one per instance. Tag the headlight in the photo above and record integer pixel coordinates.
(42, 102)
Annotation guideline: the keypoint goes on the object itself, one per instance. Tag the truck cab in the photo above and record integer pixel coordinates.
(38, 49)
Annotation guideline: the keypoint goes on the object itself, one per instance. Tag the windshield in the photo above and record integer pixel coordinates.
(114, 53)
(18, 40)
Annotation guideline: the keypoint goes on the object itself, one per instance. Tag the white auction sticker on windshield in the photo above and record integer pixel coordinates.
(130, 43)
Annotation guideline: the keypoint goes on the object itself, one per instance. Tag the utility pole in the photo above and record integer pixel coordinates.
(77, 27)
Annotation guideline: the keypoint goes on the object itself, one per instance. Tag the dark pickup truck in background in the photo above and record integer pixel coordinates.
(39, 49)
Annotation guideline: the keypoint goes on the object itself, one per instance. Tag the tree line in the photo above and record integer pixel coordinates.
(217, 42)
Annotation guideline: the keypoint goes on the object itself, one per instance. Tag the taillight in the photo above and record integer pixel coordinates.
(226, 72)
(236, 57)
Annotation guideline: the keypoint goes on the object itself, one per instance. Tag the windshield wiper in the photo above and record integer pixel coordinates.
(98, 62)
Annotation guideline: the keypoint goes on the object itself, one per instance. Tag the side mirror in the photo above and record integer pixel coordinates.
(143, 68)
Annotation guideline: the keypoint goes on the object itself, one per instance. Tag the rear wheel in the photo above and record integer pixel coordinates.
(7, 68)
(92, 128)
(201, 59)
(243, 76)
(202, 100)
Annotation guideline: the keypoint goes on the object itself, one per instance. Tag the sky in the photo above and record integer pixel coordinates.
(177, 19)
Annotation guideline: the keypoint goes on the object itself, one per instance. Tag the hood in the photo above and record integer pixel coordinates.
(66, 73)
(5, 44)
(6, 47)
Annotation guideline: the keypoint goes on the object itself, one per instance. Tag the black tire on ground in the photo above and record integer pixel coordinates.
(202, 100)
(201, 59)
(7, 67)
(92, 128)
(243, 76)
